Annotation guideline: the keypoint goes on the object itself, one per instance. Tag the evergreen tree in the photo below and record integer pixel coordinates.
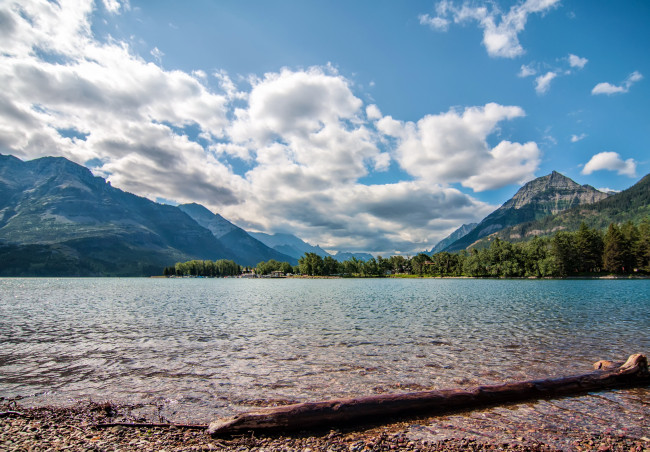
(643, 250)
(564, 253)
(589, 249)
(614, 250)
(631, 251)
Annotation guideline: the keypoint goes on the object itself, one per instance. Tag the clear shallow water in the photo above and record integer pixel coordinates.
(201, 348)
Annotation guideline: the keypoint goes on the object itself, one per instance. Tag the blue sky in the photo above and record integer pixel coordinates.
(376, 126)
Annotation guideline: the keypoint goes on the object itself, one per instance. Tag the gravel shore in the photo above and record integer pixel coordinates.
(77, 428)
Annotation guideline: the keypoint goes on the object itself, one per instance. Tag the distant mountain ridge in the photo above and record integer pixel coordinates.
(451, 238)
(546, 195)
(295, 247)
(288, 244)
(249, 250)
(56, 218)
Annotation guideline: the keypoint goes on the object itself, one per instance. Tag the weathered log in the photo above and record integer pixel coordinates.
(634, 372)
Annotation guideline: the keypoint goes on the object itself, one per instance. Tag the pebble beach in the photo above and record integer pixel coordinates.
(82, 427)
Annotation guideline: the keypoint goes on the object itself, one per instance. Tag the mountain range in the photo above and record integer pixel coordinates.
(295, 247)
(249, 250)
(58, 219)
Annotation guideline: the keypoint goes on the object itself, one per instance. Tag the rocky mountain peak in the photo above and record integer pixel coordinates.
(555, 192)
(543, 196)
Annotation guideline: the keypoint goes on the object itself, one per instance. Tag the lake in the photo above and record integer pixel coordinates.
(201, 348)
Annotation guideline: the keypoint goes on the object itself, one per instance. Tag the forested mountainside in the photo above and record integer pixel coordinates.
(632, 204)
(547, 195)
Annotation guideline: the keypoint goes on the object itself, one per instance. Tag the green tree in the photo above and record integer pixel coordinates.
(614, 254)
(643, 249)
(311, 264)
(286, 268)
(631, 237)
(400, 264)
(331, 266)
(370, 267)
(589, 249)
(419, 264)
(563, 251)
(534, 252)
(352, 266)
(475, 264)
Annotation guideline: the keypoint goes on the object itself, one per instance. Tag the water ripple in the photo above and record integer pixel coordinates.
(216, 346)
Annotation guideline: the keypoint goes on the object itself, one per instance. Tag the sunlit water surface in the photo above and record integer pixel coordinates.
(201, 348)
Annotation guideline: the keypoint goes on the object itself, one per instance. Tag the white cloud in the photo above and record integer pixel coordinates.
(610, 161)
(114, 6)
(435, 22)
(500, 30)
(452, 147)
(303, 138)
(373, 112)
(609, 89)
(527, 71)
(576, 138)
(157, 54)
(543, 82)
(577, 62)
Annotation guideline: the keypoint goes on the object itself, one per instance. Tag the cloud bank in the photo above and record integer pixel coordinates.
(283, 151)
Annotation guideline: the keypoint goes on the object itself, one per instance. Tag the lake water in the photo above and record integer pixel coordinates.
(201, 348)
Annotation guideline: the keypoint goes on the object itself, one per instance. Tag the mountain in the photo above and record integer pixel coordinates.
(295, 247)
(57, 219)
(213, 222)
(342, 257)
(249, 250)
(288, 244)
(632, 204)
(538, 198)
(451, 238)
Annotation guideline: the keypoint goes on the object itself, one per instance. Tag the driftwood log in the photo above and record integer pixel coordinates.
(634, 372)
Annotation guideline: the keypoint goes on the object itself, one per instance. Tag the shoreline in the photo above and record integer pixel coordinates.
(76, 428)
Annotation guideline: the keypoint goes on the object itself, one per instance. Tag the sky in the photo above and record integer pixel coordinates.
(374, 126)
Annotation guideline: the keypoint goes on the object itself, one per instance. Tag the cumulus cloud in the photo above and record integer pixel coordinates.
(610, 161)
(500, 29)
(452, 147)
(301, 138)
(543, 82)
(577, 62)
(609, 89)
(576, 138)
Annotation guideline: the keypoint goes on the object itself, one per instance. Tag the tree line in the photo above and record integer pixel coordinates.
(621, 249)
(219, 268)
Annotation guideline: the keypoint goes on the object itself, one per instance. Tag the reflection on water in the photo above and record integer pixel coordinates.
(212, 347)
